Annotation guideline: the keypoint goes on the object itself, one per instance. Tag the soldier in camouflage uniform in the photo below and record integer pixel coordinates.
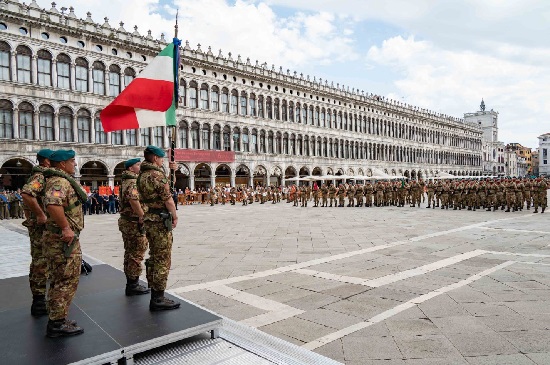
(324, 195)
(159, 220)
(33, 194)
(130, 224)
(540, 193)
(332, 194)
(63, 198)
(341, 195)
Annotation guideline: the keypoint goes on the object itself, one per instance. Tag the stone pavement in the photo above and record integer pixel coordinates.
(366, 285)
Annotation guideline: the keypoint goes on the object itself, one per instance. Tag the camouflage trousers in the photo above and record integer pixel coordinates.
(160, 254)
(38, 271)
(430, 198)
(135, 245)
(64, 274)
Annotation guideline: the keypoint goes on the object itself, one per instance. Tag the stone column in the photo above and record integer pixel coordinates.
(75, 128)
(122, 81)
(124, 138)
(211, 137)
(92, 129)
(111, 181)
(56, 127)
(191, 182)
(251, 180)
(109, 137)
(90, 80)
(107, 82)
(72, 76)
(232, 178)
(13, 66)
(36, 126)
(34, 69)
(212, 180)
(54, 73)
(15, 123)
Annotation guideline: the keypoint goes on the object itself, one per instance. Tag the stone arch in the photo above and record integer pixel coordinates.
(290, 172)
(242, 175)
(202, 173)
(304, 171)
(360, 172)
(330, 171)
(317, 171)
(182, 177)
(369, 172)
(95, 173)
(223, 174)
(14, 172)
(407, 174)
(350, 172)
(276, 175)
(117, 171)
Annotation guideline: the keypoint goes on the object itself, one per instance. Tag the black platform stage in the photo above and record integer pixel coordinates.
(115, 326)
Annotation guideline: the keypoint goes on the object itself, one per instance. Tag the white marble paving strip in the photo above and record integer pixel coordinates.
(400, 308)
(247, 298)
(271, 317)
(515, 230)
(324, 260)
(392, 278)
(505, 253)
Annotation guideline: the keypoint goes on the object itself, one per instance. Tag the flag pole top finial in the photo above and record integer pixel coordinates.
(176, 26)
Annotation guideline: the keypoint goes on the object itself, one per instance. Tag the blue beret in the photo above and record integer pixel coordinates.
(131, 162)
(62, 155)
(45, 153)
(155, 150)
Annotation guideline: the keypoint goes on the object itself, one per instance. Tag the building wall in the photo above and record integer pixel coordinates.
(493, 159)
(279, 124)
(544, 154)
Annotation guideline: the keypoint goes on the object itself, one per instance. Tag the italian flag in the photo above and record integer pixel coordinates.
(150, 100)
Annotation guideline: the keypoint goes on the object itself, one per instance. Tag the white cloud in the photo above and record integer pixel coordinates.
(454, 82)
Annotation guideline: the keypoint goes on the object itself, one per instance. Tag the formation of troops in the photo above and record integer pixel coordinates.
(11, 205)
(472, 194)
(53, 207)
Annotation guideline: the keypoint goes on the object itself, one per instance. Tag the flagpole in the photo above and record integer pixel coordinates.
(176, 97)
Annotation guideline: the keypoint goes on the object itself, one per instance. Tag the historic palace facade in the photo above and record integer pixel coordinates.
(238, 122)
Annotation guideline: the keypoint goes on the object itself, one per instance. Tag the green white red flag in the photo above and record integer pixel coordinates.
(150, 100)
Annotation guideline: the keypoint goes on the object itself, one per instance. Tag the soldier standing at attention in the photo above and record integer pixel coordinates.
(63, 198)
(130, 224)
(33, 194)
(159, 220)
(332, 194)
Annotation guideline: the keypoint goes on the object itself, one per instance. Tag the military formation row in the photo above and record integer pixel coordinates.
(11, 205)
(513, 194)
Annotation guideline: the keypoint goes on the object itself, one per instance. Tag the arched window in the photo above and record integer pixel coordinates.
(45, 119)
(98, 76)
(130, 75)
(246, 142)
(269, 107)
(205, 137)
(292, 145)
(26, 111)
(316, 117)
(284, 111)
(345, 121)
(114, 80)
(226, 138)
(216, 137)
(44, 68)
(252, 102)
(299, 145)
(234, 101)
(319, 147)
(83, 124)
(63, 71)
(236, 139)
(65, 124)
(261, 106)
(145, 135)
(6, 119)
(276, 114)
(100, 135)
(262, 141)
(81, 74)
(225, 100)
(131, 137)
(329, 119)
(5, 59)
(204, 97)
(254, 141)
(183, 129)
(298, 111)
(339, 121)
(215, 98)
(323, 123)
(310, 116)
(270, 147)
(325, 148)
(244, 98)
(23, 60)
(159, 137)
(193, 103)
(307, 145)
(313, 144)
(291, 111)
(195, 136)
(304, 114)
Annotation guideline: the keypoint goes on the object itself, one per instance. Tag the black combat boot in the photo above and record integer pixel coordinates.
(63, 328)
(133, 287)
(38, 306)
(536, 210)
(543, 208)
(159, 302)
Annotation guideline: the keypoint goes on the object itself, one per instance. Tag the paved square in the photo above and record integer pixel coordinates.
(366, 285)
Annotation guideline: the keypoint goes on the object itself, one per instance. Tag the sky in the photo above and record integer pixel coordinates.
(441, 55)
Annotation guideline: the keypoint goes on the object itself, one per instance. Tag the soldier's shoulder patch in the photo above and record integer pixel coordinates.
(164, 180)
(134, 191)
(36, 185)
(57, 187)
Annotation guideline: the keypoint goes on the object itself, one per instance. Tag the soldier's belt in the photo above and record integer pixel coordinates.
(157, 210)
(129, 218)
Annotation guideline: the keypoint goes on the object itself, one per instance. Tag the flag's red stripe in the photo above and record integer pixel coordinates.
(155, 95)
(116, 117)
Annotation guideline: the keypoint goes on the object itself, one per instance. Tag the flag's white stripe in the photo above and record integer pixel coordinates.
(160, 68)
(149, 118)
